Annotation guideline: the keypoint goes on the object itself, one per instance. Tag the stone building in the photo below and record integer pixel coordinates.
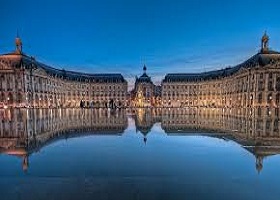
(253, 83)
(25, 82)
(145, 92)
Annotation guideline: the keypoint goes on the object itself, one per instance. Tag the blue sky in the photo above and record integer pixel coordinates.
(122, 35)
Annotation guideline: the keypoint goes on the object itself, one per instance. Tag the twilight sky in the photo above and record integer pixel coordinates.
(122, 35)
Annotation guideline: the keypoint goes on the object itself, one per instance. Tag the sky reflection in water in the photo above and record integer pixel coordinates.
(101, 154)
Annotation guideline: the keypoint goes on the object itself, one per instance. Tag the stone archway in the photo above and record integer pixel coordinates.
(19, 98)
(10, 99)
(51, 101)
(269, 98)
(41, 101)
(29, 99)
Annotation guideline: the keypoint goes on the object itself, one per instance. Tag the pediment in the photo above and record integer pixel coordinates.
(40, 72)
(6, 64)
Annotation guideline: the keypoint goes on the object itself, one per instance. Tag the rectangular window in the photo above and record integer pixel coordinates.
(270, 86)
(277, 112)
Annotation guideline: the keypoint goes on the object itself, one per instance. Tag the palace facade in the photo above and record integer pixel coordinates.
(26, 82)
(145, 92)
(256, 82)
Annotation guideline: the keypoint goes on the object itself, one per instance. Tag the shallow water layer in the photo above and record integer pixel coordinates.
(139, 154)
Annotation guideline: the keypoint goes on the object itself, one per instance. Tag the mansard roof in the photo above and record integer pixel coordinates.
(19, 59)
(258, 60)
(144, 78)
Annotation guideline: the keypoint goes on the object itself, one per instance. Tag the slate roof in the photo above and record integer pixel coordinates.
(17, 60)
(259, 59)
(144, 78)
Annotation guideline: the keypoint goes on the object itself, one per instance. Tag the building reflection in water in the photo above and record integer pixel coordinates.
(145, 119)
(256, 130)
(24, 131)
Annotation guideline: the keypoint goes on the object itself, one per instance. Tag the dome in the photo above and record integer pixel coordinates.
(144, 78)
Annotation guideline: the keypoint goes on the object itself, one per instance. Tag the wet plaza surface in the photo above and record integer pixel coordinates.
(185, 153)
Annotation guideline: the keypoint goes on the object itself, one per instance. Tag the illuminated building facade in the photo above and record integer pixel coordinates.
(254, 83)
(145, 92)
(26, 82)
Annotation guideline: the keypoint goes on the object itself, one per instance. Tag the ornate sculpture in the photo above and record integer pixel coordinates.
(265, 40)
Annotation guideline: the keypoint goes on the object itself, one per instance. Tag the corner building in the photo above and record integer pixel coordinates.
(26, 82)
(254, 83)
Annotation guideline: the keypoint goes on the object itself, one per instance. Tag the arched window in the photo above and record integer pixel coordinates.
(278, 84)
(260, 98)
(36, 99)
(270, 86)
(19, 98)
(277, 98)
